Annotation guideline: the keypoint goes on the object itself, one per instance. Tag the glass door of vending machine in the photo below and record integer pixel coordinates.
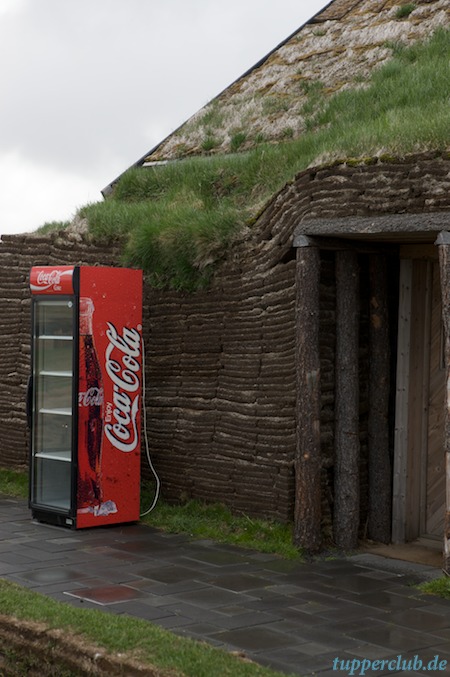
(52, 446)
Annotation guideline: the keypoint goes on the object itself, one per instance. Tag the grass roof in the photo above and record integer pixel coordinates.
(177, 220)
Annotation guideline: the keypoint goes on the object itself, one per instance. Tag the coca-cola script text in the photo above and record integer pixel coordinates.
(51, 277)
(123, 366)
(93, 397)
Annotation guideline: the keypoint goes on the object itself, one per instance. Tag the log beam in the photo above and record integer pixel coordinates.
(380, 479)
(307, 517)
(346, 481)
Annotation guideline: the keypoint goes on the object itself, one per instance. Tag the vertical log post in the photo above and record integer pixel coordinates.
(307, 531)
(380, 500)
(443, 242)
(346, 481)
(402, 404)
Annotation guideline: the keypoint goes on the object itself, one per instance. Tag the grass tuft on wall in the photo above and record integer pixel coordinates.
(177, 220)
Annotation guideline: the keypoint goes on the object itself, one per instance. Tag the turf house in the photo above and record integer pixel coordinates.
(295, 239)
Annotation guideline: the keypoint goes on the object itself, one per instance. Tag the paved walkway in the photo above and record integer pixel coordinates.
(293, 618)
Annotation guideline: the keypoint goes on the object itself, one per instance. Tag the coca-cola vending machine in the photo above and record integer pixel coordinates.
(84, 396)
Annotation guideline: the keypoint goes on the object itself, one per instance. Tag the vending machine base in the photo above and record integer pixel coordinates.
(57, 519)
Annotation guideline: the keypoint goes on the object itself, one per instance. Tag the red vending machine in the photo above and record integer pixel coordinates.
(84, 398)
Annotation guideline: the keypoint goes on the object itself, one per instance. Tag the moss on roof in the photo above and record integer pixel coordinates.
(338, 49)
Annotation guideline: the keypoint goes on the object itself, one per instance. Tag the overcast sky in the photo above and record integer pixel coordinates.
(89, 86)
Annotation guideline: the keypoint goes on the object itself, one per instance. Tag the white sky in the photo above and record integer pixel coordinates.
(89, 86)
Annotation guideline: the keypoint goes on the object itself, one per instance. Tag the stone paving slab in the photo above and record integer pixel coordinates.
(296, 618)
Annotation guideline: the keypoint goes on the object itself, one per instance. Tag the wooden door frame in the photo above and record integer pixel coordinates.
(443, 246)
(309, 513)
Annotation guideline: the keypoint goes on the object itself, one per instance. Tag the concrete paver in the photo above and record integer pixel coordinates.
(296, 618)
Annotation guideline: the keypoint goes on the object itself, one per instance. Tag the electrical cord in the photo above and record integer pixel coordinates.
(147, 448)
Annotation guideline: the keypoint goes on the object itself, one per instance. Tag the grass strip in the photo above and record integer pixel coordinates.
(217, 523)
(439, 587)
(138, 639)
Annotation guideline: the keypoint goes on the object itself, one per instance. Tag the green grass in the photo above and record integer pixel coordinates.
(405, 10)
(14, 483)
(52, 225)
(126, 635)
(178, 220)
(439, 587)
(216, 522)
(237, 140)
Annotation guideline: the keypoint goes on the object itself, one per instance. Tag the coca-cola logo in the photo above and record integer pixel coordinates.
(51, 280)
(123, 366)
(93, 397)
(51, 277)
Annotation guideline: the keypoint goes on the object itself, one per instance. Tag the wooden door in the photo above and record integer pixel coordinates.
(419, 471)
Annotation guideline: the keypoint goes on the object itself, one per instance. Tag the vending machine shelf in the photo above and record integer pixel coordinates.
(57, 412)
(66, 374)
(55, 455)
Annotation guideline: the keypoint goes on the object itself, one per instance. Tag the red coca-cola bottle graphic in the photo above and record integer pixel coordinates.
(90, 413)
